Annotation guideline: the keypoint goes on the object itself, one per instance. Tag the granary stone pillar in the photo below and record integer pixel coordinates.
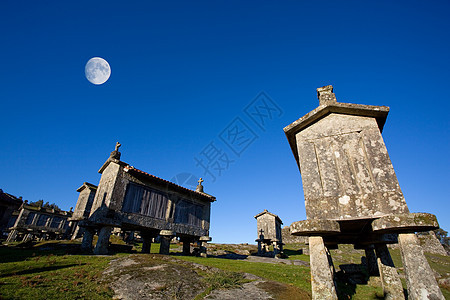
(146, 245)
(166, 236)
(146, 242)
(186, 245)
(128, 237)
(75, 233)
(45, 237)
(12, 236)
(88, 237)
(147, 237)
(79, 231)
(259, 247)
(419, 276)
(103, 240)
(275, 248)
(203, 243)
(322, 271)
(392, 286)
(372, 265)
(27, 237)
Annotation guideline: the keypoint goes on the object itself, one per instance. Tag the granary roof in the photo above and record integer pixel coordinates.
(132, 169)
(87, 185)
(8, 198)
(47, 210)
(332, 106)
(115, 157)
(267, 212)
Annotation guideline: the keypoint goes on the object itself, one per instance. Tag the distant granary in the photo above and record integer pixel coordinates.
(9, 205)
(352, 196)
(133, 200)
(83, 208)
(269, 233)
(39, 223)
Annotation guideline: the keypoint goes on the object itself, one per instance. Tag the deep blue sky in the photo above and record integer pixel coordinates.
(182, 72)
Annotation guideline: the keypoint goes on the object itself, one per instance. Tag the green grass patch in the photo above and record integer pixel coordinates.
(221, 280)
(55, 270)
(52, 276)
(155, 247)
(225, 280)
(295, 275)
(294, 252)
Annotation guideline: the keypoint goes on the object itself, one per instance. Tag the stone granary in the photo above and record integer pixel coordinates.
(9, 204)
(352, 196)
(133, 200)
(269, 232)
(42, 223)
(83, 208)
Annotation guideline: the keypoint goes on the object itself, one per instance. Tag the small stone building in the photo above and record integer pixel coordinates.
(269, 233)
(133, 200)
(9, 204)
(352, 196)
(83, 208)
(39, 223)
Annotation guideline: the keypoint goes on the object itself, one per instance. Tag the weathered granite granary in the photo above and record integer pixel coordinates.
(352, 196)
(83, 208)
(269, 232)
(35, 222)
(9, 205)
(134, 200)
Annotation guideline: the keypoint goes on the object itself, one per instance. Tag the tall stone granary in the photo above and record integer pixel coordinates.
(352, 196)
(134, 200)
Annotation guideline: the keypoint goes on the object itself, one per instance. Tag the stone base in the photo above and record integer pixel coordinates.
(166, 236)
(203, 243)
(186, 247)
(390, 281)
(419, 276)
(103, 240)
(322, 270)
(88, 237)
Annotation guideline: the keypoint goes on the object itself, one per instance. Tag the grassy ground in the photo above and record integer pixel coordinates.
(51, 274)
(222, 280)
(372, 290)
(298, 276)
(295, 275)
(54, 270)
(295, 252)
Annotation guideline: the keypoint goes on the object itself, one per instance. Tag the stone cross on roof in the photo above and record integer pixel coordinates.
(200, 186)
(116, 154)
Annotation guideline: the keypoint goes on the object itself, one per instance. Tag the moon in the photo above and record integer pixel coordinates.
(97, 70)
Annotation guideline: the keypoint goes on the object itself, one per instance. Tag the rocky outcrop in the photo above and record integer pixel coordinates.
(165, 277)
(429, 243)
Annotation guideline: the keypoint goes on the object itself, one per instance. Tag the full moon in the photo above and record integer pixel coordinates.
(97, 70)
